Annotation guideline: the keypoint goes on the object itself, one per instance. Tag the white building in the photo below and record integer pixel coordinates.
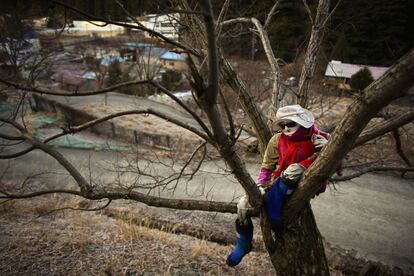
(337, 69)
(98, 28)
(341, 73)
(167, 24)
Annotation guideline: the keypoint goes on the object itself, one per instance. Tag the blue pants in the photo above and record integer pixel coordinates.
(275, 199)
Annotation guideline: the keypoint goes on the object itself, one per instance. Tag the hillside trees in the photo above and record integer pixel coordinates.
(376, 32)
(296, 250)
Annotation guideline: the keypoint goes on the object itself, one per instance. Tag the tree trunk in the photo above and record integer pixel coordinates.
(315, 42)
(298, 248)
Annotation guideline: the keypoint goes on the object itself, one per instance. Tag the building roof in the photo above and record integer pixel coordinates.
(138, 44)
(69, 73)
(97, 26)
(90, 75)
(346, 70)
(107, 60)
(173, 56)
(68, 78)
(153, 51)
(147, 49)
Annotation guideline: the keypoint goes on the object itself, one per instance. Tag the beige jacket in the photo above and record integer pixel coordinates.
(271, 155)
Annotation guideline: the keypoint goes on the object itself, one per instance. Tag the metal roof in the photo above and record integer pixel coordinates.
(106, 61)
(346, 70)
(173, 56)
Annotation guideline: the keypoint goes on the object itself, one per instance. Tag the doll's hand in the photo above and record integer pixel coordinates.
(292, 174)
(319, 141)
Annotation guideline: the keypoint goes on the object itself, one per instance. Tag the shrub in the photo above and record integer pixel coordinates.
(361, 79)
(115, 74)
(171, 79)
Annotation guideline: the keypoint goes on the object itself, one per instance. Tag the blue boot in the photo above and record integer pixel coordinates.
(244, 242)
(274, 201)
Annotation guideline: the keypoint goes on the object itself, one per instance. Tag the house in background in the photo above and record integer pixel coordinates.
(68, 75)
(108, 60)
(98, 28)
(174, 61)
(167, 24)
(146, 51)
(341, 73)
(146, 57)
(21, 50)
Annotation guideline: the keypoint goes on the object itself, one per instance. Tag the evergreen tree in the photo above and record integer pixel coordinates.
(361, 79)
(340, 49)
(288, 31)
(376, 31)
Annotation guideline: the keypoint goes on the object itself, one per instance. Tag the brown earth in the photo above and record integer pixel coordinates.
(43, 237)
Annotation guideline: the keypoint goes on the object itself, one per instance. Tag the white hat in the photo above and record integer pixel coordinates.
(297, 114)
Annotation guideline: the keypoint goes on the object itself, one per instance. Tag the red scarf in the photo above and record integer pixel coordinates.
(297, 148)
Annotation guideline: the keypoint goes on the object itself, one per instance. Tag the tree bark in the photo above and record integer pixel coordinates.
(297, 249)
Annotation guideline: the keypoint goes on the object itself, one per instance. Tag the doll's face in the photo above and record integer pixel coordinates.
(289, 127)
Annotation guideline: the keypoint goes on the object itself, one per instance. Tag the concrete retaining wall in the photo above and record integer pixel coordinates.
(108, 129)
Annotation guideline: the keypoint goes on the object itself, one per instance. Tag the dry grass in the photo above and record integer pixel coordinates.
(74, 243)
(34, 240)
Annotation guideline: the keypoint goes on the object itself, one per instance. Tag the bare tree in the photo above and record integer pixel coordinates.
(297, 250)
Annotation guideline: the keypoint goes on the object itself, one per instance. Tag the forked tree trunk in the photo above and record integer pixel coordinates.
(298, 249)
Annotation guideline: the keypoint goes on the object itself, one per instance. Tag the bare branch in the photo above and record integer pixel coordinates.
(255, 116)
(77, 209)
(76, 93)
(315, 42)
(112, 88)
(131, 26)
(398, 147)
(221, 16)
(186, 108)
(332, 12)
(17, 154)
(202, 145)
(371, 169)
(269, 54)
(131, 112)
(181, 204)
(133, 18)
(10, 137)
(384, 127)
(228, 114)
(242, 20)
(272, 61)
(271, 13)
(80, 180)
(13, 123)
(308, 11)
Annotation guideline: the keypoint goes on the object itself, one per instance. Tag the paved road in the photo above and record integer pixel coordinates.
(372, 214)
